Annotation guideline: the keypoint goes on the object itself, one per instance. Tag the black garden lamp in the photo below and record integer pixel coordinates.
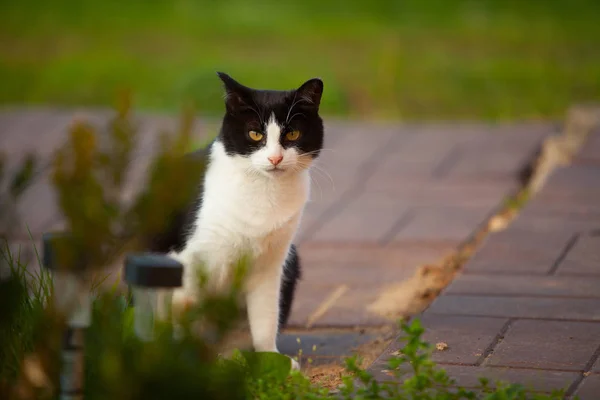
(72, 297)
(152, 279)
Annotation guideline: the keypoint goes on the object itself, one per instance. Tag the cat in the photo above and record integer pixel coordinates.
(252, 197)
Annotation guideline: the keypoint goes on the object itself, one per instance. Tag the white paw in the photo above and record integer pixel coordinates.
(295, 365)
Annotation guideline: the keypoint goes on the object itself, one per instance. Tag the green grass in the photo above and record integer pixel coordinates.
(414, 59)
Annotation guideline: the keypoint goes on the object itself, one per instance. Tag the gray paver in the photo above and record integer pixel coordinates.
(519, 251)
(590, 153)
(589, 389)
(322, 344)
(368, 218)
(533, 222)
(443, 224)
(583, 258)
(507, 285)
(575, 177)
(349, 310)
(547, 345)
(468, 376)
(535, 380)
(596, 366)
(571, 206)
(518, 307)
(467, 337)
(431, 178)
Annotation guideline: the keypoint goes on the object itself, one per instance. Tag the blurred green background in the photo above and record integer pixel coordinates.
(428, 59)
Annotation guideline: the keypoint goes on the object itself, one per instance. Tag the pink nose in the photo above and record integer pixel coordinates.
(275, 159)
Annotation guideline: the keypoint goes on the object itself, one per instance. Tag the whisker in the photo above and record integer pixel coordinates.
(296, 114)
(325, 174)
(287, 117)
(312, 179)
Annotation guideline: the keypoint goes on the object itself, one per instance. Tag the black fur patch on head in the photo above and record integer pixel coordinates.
(250, 109)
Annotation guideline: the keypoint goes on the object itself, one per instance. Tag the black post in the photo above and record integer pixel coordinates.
(67, 287)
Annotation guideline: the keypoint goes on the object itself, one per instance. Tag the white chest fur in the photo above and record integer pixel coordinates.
(243, 213)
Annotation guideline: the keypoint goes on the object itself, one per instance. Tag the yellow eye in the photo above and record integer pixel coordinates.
(293, 135)
(256, 136)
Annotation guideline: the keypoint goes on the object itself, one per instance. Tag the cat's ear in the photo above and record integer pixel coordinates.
(237, 96)
(311, 91)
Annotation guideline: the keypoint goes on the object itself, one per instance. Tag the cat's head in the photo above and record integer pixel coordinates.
(272, 132)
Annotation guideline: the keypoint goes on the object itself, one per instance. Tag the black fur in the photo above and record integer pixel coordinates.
(291, 274)
(249, 109)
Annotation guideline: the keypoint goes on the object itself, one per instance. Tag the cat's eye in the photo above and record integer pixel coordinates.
(256, 136)
(293, 135)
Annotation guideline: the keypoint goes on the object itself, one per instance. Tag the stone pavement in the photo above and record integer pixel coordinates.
(387, 198)
(526, 307)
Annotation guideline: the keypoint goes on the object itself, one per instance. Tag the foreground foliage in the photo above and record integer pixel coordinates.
(88, 179)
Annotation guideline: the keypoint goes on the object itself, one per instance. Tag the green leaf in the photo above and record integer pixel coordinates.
(268, 365)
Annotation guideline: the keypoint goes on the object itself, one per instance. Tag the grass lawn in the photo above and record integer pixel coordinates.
(440, 59)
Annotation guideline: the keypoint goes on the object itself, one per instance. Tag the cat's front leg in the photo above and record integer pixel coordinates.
(262, 300)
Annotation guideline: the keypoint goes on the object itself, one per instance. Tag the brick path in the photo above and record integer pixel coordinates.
(402, 196)
(527, 306)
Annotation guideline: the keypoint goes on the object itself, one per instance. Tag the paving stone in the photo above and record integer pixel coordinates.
(590, 151)
(589, 388)
(467, 337)
(315, 213)
(572, 204)
(413, 158)
(547, 345)
(9, 117)
(534, 380)
(441, 192)
(339, 131)
(509, 285)
(38, 206)
(41, 135)
(512, 151)
(518, 251)
(574, 177)
(349, 310)
(367, 218)
(518, 307)
(322, 347)
(150, 130)
(361, 266)
(530, 221)
(596, 366)
(22, 127)
(308, 298)
(583, 258)
(468, 376)
(443, 223)
(479, 164)
(348, 161)
(328, 266)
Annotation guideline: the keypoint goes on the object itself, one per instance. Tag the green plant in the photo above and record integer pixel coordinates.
(119, 365)
(417, 377)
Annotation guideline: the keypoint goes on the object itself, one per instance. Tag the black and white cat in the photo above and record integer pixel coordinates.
(254, 191)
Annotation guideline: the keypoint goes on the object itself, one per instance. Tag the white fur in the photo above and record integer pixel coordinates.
(260, 159)
(248, 209)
